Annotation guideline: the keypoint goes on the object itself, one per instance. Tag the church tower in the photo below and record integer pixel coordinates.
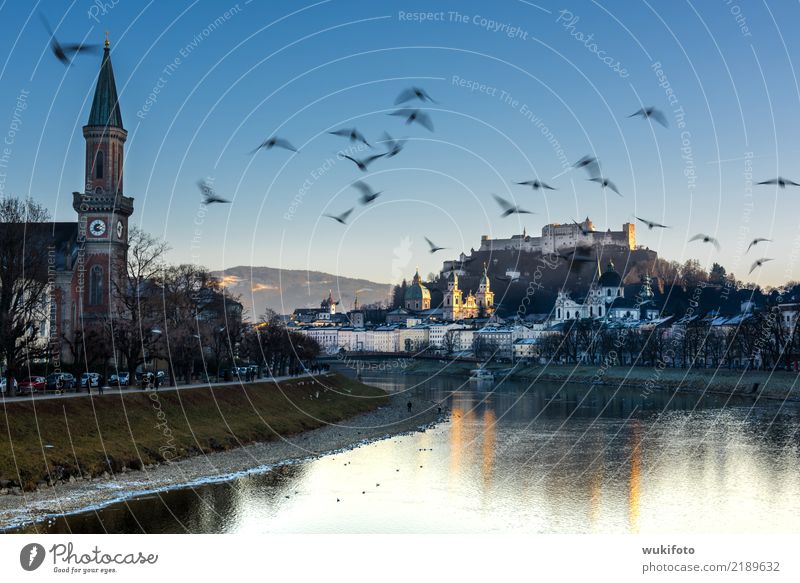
(485, 295)
(102, 208)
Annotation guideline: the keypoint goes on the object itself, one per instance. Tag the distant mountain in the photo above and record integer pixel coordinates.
(283, 290)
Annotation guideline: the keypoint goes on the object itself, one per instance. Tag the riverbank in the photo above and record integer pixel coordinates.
(782, 385)
(382, 416)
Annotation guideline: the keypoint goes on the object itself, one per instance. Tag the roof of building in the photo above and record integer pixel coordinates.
(105, 105)
(610, 277)
(417, 291)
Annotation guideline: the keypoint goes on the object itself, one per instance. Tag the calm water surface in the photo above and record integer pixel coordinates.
(514, 458)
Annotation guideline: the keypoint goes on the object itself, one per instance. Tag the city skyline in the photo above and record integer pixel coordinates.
(195, 108)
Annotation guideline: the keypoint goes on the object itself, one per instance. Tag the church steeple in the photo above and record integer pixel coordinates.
(105, 105)
(105, 136)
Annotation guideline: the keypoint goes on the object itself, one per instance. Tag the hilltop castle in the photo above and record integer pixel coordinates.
(556, 237)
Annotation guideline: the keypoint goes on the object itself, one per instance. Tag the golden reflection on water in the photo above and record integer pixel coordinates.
(634, 483)
(489, 437)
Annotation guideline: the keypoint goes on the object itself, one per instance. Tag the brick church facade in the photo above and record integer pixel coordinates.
(90, 254)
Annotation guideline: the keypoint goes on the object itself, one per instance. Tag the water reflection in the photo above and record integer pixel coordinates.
(548, 458)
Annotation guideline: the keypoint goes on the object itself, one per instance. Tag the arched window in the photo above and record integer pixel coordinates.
(618, 291)
(608, 292)
(600, 310)
(96, 286)
(559, 313)
(98, 164)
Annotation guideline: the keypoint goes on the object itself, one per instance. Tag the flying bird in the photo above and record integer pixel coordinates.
(367, 193)
(66, 52)
(578, 257)
(362, 163)
(780, 181)
(759, 263)
(536, 184)
(353, 134)
(393, 147)
(433, 246)
(508, 208)
(706, 239)
(590, 164)
(584, 230)
(274, 142)
(605, 183)
(413, 93)
(756, 241)
(652, 224)
(342, 218)
(415, 115)
(652, 113)
(209, 195)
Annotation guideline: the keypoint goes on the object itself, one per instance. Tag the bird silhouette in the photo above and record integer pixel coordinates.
(274, 142)
(651, 113)
(759, 262)
(367, 193)
(780, 181)
(342, 218)
(352, 134)
(584, 230)
(413, 93)
(415, 115)
(706, 239)
(433, 247)
(393, 147)
(508, 208)
(209, 195)
(507, 278)
(605, 183)
(362, 163)
(66, 52)
(651, 224)
(536, 184)
(756, 241)
(590, 164)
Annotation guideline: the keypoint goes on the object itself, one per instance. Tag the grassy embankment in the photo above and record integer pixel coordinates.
(53, 439)
(775, 385)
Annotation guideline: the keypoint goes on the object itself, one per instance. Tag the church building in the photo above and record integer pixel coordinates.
(479, 305)
(90, 254)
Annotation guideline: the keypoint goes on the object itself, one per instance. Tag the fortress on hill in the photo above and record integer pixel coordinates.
(556, 237)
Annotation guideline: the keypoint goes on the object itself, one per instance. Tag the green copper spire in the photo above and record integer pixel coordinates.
(105, 106)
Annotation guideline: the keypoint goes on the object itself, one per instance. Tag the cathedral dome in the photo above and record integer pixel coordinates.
(610, 278)
(417, 291)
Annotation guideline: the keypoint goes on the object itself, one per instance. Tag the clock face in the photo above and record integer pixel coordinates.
(120, 229)
(97, 227)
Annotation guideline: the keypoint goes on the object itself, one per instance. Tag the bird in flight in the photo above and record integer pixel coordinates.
(706, 239)
(209, 195)
(759, 262)
(536, 184)
(415, 115)
(393, 147)
(590, 164)
(756, 241)
(605, 183)
(413, 93)
(367, 193)
(578, 257)
(352, 134)
(342, 218)
(584, 230)
(362, 163)
(508, 208)
(66, 52)
(780, 181)
(275, 142)
(652, 224)
(433, 246)
(652, 113)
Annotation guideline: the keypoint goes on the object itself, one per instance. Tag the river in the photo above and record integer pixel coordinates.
(547, 458)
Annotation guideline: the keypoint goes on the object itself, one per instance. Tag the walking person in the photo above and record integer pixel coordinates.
(156, 381)
(409, 406)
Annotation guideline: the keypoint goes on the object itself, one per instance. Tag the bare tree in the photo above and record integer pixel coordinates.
(24, 283)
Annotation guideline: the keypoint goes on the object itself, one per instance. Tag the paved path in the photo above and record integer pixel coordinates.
(136, 389)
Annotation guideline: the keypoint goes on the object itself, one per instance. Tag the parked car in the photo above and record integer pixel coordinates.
(3, 383)
(52, 381)
(93, 379)
(33, 384)
(122, 379)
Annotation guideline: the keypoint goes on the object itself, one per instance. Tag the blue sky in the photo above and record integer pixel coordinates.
(300, 69)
